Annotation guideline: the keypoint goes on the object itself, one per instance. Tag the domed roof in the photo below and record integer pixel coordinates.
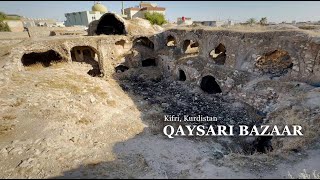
(99, 7)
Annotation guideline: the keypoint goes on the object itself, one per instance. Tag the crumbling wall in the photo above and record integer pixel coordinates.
(245, 52)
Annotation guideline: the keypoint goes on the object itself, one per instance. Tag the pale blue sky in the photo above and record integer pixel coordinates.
(275, 11)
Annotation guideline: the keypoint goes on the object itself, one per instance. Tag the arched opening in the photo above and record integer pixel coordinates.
(182, 75)
(110, 24)
(121, 43)
(190, 47)
(219, 54)
(87, 55)
(121, 68)
(143, 41)
(149, 62)
(277, 61)
(171, 41)
(208, 84)
(45, 58)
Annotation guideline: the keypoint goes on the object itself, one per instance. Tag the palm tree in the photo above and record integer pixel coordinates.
(264, 21)
(251, 21)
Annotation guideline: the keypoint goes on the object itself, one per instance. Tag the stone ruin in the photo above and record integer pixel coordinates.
(265, 70)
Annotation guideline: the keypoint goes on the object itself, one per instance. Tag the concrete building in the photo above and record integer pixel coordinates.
(32, 22)
(210, 23)
(139, 11)
(84, 18)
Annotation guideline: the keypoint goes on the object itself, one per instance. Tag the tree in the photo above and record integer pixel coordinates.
(264, 21)
(155, 18)
(251, 21)
(3, 16)
(4, 26)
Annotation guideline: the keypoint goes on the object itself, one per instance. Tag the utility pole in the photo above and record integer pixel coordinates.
(122, 10)
(27, 29)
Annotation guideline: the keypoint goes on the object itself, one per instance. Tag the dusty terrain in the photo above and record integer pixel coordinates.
(60, 122)
(57, 122)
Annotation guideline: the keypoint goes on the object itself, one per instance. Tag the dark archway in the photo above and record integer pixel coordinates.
(219, 54)
(45, 58)
(143, 41)
(149, 62)
(121, 68)
(208, 84)
(86, 54)
(182, 75)
(109, 24)
(171, 41)
(190, 47)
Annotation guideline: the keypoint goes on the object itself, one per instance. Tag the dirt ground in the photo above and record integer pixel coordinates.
(59, 122)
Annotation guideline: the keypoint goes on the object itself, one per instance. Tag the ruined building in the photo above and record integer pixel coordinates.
(270, 71)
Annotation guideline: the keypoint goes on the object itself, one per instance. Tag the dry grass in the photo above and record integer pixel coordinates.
(84, 121)
(18, 102)
(35, 67)
(305, 175)
(257, 161)
(111, 103)
(97, 91)
(63, 84)
(8, 117)
(38, 66)
(5, 129)
(310, 131)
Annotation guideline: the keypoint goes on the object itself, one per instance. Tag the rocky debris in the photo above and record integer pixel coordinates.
(274, 62)
(176, 99)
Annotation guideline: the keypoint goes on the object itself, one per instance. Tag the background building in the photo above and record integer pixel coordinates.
(32, 22)
(84, 18)
(210, 23)
(140, 10)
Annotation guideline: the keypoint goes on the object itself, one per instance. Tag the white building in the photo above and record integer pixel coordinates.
(134, 12)
(84, 18)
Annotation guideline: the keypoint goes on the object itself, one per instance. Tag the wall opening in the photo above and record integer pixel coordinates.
(45, 58)
(208, 84)
(121, 68)
(149, 62)
(219, 54)
(109, 24)
(171, 41)
(275, 62)
(190, 47)
(143, 41)
(121, 43)
(88, 55)
(182, 75)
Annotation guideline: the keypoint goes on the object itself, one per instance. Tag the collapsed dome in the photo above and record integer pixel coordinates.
(110, 24)
(143, 41)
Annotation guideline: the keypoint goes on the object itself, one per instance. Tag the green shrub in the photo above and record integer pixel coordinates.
(155, 18)
(251, 21)
(4, 26)
(3, 16)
